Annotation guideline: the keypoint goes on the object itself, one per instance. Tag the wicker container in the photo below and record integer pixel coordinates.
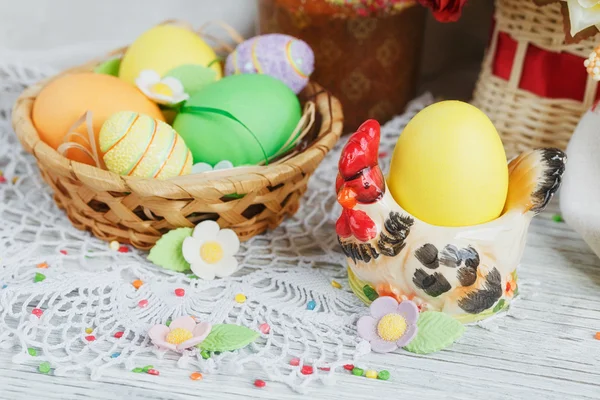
(139, 211)
(371, 63)
(525, 119)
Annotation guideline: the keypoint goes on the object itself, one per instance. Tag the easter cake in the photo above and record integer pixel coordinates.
(425, 246)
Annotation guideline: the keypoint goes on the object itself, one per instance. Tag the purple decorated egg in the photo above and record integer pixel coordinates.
(281, 56)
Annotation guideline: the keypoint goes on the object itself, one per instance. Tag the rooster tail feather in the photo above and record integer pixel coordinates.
(534, 177)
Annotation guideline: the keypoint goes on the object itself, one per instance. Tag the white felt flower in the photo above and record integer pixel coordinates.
(211, 251)
(205, 167)
(583, 14)
(168, 90)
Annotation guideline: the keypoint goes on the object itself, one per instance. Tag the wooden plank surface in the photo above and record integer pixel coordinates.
(543, 349)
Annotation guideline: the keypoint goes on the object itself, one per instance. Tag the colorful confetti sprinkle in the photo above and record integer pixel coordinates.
(265, 328)
(89, 330)
(295, 361)
(39, 277)
(597, 336)
(90, 338)
(32, 352)
(336, 284)
(37, 312)
(307, 370)
(114, 245)
(260, 383)
(15, 179)
(348, 367)
(147, 368)
(4, 286)
(44, 367)
(557, 218)
(168, 323)
(372, 374)
(205, 354)
(119, 335)
(153, 372)
(137, 283)
(240, 298)
(138, 370)
(42, 265)
(179, 292)
(383, 375)
(143, 303)
(196, 376)
(2, 179)
(326, 369)
(63, 252)
(123, 249)
(311, 305)
(115, 355)
(358, 371)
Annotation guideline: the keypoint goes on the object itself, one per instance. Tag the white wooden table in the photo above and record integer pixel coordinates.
(544, 349)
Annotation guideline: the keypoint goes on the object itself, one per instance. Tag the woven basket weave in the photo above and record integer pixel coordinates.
(524, 119)
(139, 211)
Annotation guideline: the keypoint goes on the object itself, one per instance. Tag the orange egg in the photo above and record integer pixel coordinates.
(66, 98)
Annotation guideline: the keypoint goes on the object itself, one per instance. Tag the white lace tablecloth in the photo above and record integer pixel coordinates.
(544, 349)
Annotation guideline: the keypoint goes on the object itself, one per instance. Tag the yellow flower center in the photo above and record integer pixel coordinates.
(391, 327)
(211, 252)
(162, 88)
(178, 336)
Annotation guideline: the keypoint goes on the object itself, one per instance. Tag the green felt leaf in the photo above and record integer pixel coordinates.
(500, 305)
(109, 67)
(227, 337)
(167, 252)
(193, 77)
(436, 332)
(137, 370)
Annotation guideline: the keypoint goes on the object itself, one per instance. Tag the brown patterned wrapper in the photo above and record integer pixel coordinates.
(369, 63)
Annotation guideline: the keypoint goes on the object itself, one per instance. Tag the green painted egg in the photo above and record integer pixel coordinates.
(239, 118)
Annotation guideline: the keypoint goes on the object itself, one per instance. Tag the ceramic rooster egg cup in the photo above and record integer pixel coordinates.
(467, 272)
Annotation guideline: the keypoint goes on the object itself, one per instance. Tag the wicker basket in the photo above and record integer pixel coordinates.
(139, 211)
(524, 119)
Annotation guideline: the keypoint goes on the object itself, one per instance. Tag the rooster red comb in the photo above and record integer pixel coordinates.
(361, 151)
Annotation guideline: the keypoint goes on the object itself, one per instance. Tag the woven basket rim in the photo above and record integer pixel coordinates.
(178, 187)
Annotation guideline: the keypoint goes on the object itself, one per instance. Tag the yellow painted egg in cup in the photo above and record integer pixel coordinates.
(135, 144)
(164, 48)
(449, 167)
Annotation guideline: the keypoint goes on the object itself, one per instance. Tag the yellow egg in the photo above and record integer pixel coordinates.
(163, 48)
(138, 145)
(449, 167)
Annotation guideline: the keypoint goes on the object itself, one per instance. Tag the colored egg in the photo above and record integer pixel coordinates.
(281, 56)
(241, 118)
(66, 98)
(449, 167)
(134, 144)
(162, 49)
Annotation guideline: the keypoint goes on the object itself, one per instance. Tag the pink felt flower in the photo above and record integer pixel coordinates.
(182, 334)
(390, 325)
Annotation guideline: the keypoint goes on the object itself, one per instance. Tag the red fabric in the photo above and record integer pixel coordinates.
(547, 74)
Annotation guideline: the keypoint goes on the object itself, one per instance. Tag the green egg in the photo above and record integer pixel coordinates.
(238, 118)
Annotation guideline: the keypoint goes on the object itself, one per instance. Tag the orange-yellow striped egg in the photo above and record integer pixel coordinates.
(135, 144)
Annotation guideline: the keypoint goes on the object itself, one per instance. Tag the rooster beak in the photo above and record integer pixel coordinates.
(347, 198)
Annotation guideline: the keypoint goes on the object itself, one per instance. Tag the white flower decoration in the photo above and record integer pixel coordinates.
(583, 14)
(168, 90)
(211, 250)
(205, 167)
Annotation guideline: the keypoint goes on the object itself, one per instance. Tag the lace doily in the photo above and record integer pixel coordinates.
(70, 318)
